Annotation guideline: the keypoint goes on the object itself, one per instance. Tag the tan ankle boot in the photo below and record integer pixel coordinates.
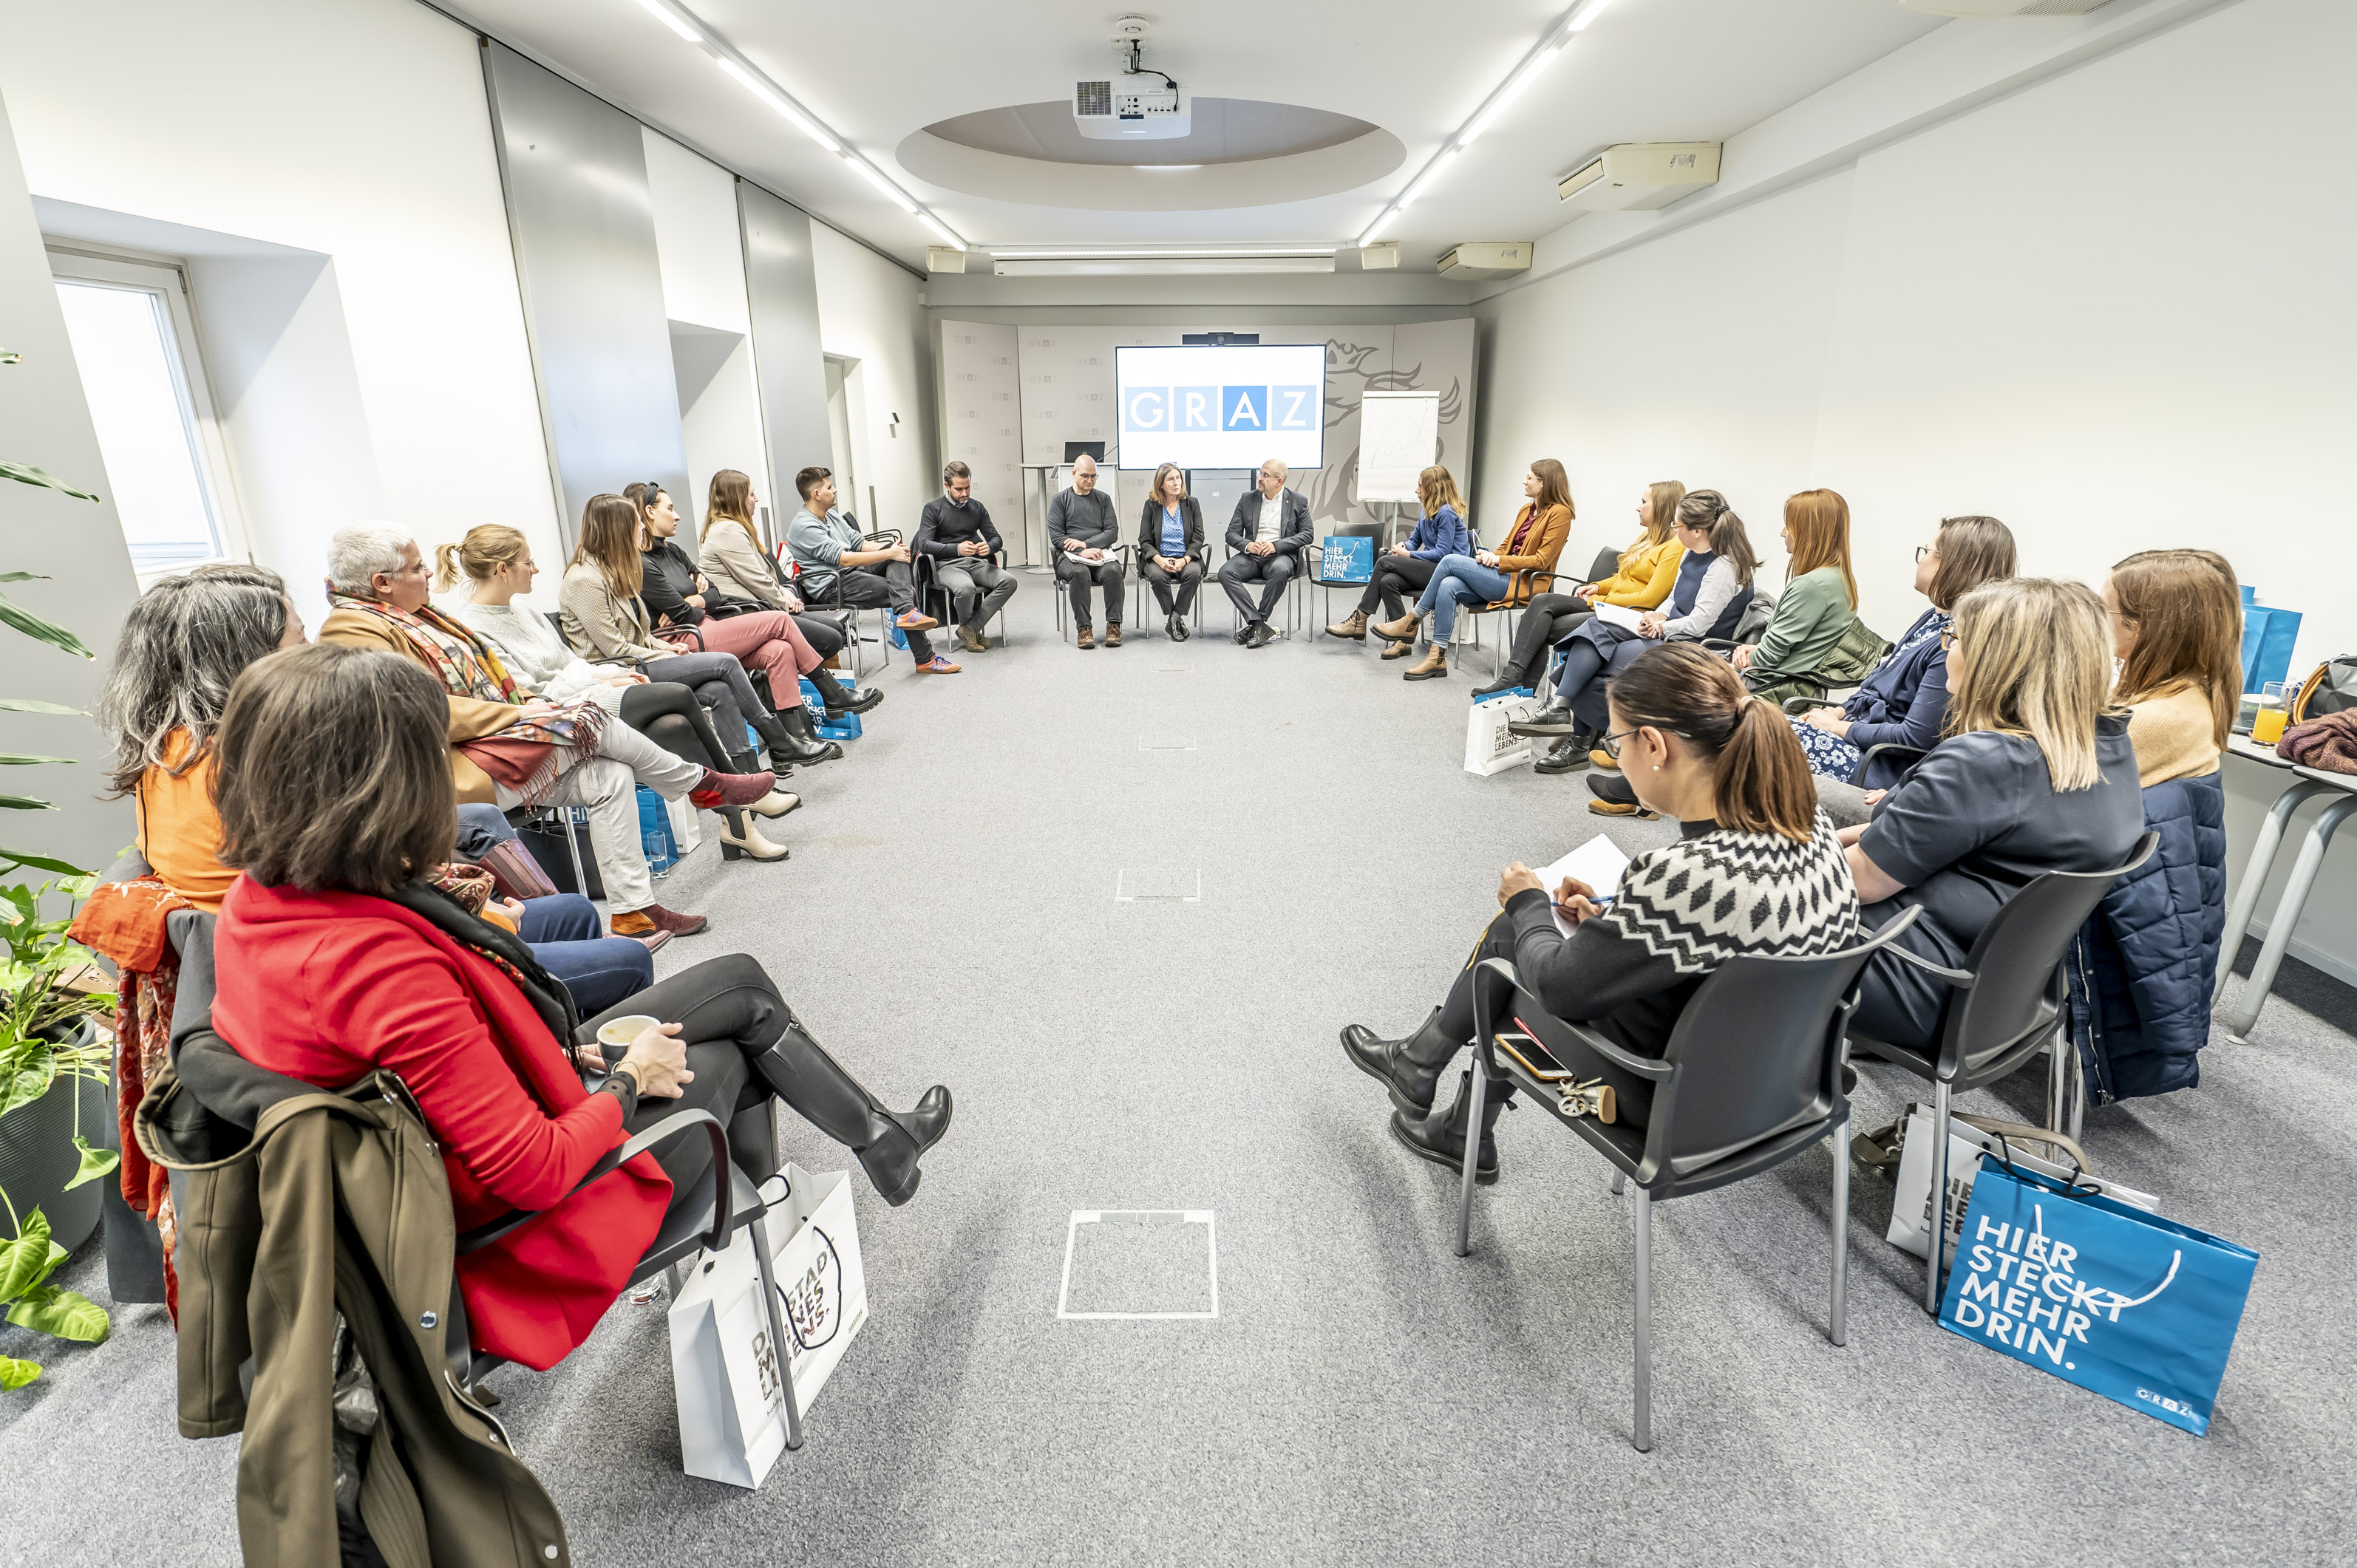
(1400, 649)
(1434, 664)
(1400, 631)
(1355, 629)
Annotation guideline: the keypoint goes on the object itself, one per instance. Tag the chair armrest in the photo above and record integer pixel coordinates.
(1802, 704)
(662, 1132)
(1645, 1067)
(1874, 751)
(1960, 979)
(1642, 1066)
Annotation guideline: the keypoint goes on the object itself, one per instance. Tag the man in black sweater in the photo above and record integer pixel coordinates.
(1081, 534)
(957, 532)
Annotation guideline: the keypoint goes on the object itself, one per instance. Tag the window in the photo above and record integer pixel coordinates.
(135, 343)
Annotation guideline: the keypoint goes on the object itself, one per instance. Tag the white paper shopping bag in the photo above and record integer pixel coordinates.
(725, 1367)
(1911, 1207)
(1487, 747)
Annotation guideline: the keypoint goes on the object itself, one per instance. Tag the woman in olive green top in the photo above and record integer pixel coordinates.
(1820, 597)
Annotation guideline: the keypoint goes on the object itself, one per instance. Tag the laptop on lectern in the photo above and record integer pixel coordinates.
(1076, 450)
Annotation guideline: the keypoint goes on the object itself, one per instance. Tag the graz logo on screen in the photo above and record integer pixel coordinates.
(1215, 409)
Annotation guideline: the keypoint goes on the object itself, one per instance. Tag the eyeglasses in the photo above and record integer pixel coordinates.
(1611, 743)
(1923, 550)
(1947, 639)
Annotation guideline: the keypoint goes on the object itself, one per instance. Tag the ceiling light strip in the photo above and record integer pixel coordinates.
(692, 29)
(1153, 253)
(1529, 69)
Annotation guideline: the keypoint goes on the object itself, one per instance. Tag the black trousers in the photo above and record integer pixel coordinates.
(873, 587)
(1272, 571)
(1546, 621)
(730, 1012)
(1633, 1096)
(668, 714)
(1396, 576)
(1187, 578)
(1076, 576)
(823, 632)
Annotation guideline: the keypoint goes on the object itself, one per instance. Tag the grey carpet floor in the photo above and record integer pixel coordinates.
(1363, 1396)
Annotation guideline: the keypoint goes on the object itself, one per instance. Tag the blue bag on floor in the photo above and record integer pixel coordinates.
(654, 832)
(1345, 558)
(1509, 691)
(2267, 636)
(900, 638)
(844, 729)
(2123, 1303)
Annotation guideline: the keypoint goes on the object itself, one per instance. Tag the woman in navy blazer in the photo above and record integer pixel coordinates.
(1409, 566)
(1905, 701)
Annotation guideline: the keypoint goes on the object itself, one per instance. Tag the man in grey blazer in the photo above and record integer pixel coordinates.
(1266, 539)
(1082, 536)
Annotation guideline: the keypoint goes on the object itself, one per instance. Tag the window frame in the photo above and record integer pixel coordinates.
(167, 278)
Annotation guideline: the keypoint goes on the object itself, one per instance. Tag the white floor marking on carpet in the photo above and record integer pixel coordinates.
(1144, 887)
(1141, 1216)
(1166, 743)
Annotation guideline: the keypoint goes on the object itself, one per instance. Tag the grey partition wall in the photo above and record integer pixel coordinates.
(789, 366)
(575, 170)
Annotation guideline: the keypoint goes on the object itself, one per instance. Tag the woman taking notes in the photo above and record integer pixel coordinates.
(1438, 535)
(1498, 578)
(1755, 871)
(1170, 548)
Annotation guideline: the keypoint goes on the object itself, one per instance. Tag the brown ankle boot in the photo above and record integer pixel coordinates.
(1355, 629)
(1400, 649)
(1088, 636)
(1400, 631)
(1113, 635)
(1433, 665)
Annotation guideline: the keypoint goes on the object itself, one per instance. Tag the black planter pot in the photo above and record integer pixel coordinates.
(37, 1155)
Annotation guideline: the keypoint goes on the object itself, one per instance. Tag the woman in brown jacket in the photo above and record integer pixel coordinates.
(1496, 579)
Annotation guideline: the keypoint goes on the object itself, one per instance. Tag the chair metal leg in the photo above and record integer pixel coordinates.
(1473, 1097)
(770, 1298)
(2254, 876)
(1838, 1318)
(2286, 916)
(2058, 1051)
(2078, 1102)
(1938, 1238)
(1644, 1421)
(573, 846)
(1620, 1183)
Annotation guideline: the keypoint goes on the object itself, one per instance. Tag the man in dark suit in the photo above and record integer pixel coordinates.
(1266, 539)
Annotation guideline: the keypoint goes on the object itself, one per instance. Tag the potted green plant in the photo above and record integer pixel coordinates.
(49, 1062)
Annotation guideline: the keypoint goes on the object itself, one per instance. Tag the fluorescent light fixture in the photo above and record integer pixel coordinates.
(671, 19)
(867, 173)
(1508, 93)
(938, 227)
(1584, 14)
(775, 100)
(1374, 229)
(1097, 253)
(1158, 168)
(1102, 266)
(1432, 171)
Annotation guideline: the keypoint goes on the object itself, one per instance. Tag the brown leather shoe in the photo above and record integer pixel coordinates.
(1113, 635)
(1433, 665)
(655, 917)
(1354, 627)
(1088, 636)
(1400, 649)
(1400, 631)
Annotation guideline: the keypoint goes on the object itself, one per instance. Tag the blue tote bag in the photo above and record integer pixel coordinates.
(2123, 1303)
(2267, 636)
(1345, 558)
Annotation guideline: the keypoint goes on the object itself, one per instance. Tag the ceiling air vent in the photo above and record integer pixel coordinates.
(1092, 98)
(1640, 175)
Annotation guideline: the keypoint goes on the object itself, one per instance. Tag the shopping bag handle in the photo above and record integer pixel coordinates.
(2022, 1131)
(786, 1303)
(2070, 1187)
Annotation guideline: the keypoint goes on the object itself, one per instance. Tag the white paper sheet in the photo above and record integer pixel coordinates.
(1619, 616)
(1598, 863)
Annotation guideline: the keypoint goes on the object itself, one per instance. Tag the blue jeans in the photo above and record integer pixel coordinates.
(600, 970)
(1459, 577)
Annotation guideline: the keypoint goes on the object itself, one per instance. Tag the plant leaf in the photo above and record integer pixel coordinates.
(15, 1374)
(33, 626)
(42, 862)
(22, 1087)
(28, 474)
(33, 706)
(19, 759)
(26, 1261)
(95, 1163)
(62, 1314)
(25, 803)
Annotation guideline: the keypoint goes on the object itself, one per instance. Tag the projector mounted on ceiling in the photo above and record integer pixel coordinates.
(2003, 7)
(1140, 104)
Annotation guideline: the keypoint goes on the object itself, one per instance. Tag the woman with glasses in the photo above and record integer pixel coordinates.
(1170, 548)
(1756, 870)
(1905, 701)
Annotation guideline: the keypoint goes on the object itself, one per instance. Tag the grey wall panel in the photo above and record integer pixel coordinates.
(77, 548)
(574, 170)
(789, 365)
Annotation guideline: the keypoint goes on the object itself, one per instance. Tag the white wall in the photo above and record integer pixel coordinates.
(701, 252)
(873, 311)
(358, 131)
(2110, 307)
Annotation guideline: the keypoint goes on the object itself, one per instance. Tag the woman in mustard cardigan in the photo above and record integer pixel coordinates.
(1497, 578)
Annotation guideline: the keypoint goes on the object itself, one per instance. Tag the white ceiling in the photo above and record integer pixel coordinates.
(1644, 70)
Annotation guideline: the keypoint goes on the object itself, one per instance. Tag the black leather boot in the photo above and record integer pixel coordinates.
(838, 700)
(888, 1143)
(1567, 754)
(1439, 1136)
(1508, 679)
(1409, 1068)
(790, 738)
(1553, 719)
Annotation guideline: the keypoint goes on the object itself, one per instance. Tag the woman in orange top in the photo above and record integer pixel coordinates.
(1498, 578)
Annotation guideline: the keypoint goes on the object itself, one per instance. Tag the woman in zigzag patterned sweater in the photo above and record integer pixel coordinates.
(1757, 870)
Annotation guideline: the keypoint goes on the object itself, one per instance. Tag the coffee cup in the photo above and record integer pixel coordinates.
(622, 1031)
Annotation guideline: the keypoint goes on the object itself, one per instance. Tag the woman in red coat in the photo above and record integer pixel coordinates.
(334, 789)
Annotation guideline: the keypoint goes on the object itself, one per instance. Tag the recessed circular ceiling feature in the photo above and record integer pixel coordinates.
(1247, 153)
